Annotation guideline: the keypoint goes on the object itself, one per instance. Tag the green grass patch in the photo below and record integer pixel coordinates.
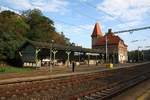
(9, 69)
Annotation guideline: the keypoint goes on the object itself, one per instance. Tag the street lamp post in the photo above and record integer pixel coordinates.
(51, 46)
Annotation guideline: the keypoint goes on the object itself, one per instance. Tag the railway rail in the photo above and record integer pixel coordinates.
(85, 86)
(110, 90)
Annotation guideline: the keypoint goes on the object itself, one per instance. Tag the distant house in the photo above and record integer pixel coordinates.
(39, 54)
(117, 49)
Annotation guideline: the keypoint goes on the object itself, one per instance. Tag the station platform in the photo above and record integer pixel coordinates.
(57, 72)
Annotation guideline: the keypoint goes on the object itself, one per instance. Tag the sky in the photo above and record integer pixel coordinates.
(76, 18)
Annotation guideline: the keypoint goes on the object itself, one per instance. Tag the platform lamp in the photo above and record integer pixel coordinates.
(51, 47)
(106, 45)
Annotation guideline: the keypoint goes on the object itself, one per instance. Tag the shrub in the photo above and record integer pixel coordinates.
(2, 69)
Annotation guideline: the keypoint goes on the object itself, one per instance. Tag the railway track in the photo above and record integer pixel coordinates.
(111, 90)
(116, 87)
(85, 86)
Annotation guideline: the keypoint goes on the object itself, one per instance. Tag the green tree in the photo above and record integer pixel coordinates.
(13, 30)
(41, 27)
(32, 25)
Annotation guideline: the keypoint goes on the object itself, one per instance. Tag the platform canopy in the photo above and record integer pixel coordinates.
(54, 46)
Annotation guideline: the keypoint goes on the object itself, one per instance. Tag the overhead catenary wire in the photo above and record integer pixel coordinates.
(138, 40)
(116, 32)
(70, 24)
(86, 15)
(101, 11)
(92, 6)
(132, 30)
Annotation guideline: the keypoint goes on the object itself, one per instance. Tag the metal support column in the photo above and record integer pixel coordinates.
(138, 54)
(88, 59)
(68, 60)
(36, 57)
(51, 47)
(106, 49)
(54, 52)
(96, 60)
(79, 58)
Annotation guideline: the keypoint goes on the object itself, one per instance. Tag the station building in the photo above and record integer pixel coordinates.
(116, 48)
(39, 54)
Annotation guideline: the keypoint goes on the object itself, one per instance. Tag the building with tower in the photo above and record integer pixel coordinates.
(114, 50)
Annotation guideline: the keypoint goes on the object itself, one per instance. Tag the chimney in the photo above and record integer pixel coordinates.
(110, 30)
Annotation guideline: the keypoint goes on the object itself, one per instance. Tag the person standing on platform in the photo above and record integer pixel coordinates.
(73, 66)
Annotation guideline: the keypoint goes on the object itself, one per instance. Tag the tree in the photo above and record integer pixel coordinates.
(13, 30)
(42, 28)
(32, 25)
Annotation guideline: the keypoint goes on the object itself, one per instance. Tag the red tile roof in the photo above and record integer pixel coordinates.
(112, 39)
(97, 31)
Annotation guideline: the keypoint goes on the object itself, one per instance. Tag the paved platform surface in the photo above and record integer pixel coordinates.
(138, 92)
(56, 72)
(56, 86)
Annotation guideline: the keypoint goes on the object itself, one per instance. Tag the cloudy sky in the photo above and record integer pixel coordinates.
(76, 18)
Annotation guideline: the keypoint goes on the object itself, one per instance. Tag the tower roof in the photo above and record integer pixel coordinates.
(97, 31)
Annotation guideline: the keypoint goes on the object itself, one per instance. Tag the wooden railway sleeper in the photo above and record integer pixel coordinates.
(129, 83)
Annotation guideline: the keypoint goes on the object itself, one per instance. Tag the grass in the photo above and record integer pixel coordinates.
(10, 69)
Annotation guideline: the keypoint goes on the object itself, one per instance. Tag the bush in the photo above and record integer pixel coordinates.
(2, 69)
(11, 69)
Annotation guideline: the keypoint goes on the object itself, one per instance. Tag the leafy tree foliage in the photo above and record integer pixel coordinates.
(41, 27)
(135, 56)
(12, 32)
(32, 25)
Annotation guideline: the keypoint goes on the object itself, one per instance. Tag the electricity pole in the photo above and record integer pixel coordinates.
(106, 47)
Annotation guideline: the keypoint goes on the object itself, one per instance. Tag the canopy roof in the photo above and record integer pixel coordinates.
(40, 45)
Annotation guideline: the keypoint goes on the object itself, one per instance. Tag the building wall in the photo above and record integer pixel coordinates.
(29, 57)
(119, 50)
(122, 52)
(28, 53)
(112, 52)
(94, 40)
